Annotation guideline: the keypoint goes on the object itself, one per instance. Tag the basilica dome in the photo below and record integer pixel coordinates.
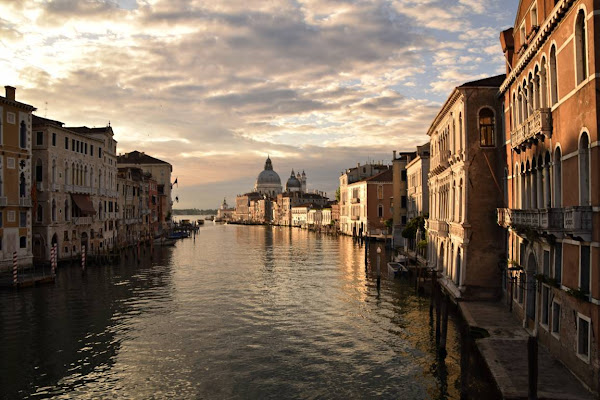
(268, 181)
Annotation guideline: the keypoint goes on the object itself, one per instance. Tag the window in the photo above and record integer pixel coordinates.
(22, 242)
(403, 220)
(23, 135)
(584, 269)
(53, 139)
(486, 128)
(380, 192)
(583, 337)
(546, 263)
(584, 170)
(580, 47)
(40, 213)
(558, 263)
(534, 16)
(555, 318)
(1, 128)
(66, 143)
(557, 172)
(403, 202)
(22, 186)
(553, 77)
(39, 139)
(91, 149)
(85, 146)
(380, 211)
(523, 35)
(545, 305)
(72, 144)
(39, 170)
(99, 152)
(11, 216)
(66, 236)
(403, 175)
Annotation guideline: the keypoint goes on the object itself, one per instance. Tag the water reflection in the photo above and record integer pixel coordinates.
(241, 312)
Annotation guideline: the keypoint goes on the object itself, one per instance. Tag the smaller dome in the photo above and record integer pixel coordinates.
(293, 183)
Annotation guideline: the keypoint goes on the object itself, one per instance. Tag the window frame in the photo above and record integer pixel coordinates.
(585, 358)
(492, 125)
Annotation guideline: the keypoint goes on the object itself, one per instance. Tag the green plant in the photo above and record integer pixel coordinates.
(410, 230)
(422, 244)
(579, 294)
(389, 223)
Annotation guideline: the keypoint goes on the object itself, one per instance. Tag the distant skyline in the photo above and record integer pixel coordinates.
(214, 87)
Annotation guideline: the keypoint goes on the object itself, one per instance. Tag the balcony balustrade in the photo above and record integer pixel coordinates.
(68, 188)
(535, 127)
(578, 222)
(83, 220)
(441, 227)
(457, 230)
(574, 221)
(355, 217)
(355, 200)
(25, 202)
(55, 187)
(440, 162)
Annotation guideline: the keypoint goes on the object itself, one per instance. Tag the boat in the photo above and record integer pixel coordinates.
(397, 269)
(200, 222)
(164, 242)
(210, 218)
(178, 235)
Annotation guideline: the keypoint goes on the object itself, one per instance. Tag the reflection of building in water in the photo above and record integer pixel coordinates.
(268, 203)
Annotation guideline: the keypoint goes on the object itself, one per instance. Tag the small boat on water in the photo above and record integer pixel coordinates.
(178, 235)
(200, 221)
(210, 218)
(164, 242)
(397, 269)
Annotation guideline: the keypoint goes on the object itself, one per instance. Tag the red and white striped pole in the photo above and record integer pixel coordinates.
(15, 277)
(83, 258)
(55, 256)
(52, 259)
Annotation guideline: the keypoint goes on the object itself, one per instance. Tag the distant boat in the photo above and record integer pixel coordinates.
(178, 235)
(200, 222)
(210, 218)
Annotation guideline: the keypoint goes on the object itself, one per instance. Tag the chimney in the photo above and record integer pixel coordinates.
(10, 92)
(357, 165)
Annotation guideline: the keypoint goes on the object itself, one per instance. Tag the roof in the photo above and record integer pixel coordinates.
(493, 81)
(17, 104)
(84, 130)
(385, 176)
(138, 157)
(45, 121)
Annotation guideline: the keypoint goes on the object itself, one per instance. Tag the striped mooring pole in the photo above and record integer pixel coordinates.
(55, 256)
(52, 259)
(15, 277)
(83, 258)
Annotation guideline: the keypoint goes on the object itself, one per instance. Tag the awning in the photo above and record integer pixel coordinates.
(83, 202)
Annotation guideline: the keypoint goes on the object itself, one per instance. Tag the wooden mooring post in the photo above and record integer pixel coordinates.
(444, 332)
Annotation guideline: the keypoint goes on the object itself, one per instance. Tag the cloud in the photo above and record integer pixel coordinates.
(212, 87)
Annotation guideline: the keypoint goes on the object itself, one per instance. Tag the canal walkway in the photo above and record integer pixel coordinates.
(505, 353)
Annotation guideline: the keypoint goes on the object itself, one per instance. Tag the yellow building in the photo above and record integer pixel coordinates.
(15, 180)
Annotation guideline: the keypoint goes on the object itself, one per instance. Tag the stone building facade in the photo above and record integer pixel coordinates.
(551, 215)
(351, 175)
(76, 199)
(161, 172)
(417, 190)
(400, 193)
(15, 180)
(464, 244)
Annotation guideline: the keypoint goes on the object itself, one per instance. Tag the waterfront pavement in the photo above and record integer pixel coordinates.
(505, 353)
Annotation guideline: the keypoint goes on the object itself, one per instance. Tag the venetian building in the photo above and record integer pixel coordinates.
(268, 182)
(551, 181)
(465, 246)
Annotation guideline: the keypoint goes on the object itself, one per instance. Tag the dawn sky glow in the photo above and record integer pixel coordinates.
(214, 86)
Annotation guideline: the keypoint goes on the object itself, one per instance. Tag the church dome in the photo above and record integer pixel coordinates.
(293, 183)
(268, 176)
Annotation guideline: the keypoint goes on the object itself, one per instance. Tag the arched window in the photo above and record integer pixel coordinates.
(557, 173)
(553, 77)
(40, 213)
(505, 187)
(584, 170)
(547, 180)
(53, 171)
(543, 85)
(486, 128)
(580, 47)
(72, 173)
(53, 210)
(23, 135)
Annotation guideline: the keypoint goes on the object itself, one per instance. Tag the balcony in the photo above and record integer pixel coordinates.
(537, 126)
(355, 200)
(355, 217)
(440, 162)
(441, 227)
(55, 187)
(3, 201)
(83, 220)
(578, 222)
(25, 202)
(459, 231)
(68, 188)
(39, 186)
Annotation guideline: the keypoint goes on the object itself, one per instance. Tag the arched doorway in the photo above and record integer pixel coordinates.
(441, 258)
(458, 267)
(39, 248)
(530, 285)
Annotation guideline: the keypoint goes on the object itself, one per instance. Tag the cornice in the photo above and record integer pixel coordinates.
(540, 38)
(447, 106)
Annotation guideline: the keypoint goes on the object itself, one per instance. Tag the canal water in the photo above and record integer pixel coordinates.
(239, 312)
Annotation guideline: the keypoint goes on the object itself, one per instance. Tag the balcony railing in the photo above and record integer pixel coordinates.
(55, 187)
(68, 188)
(578, 222)
(25, 202)
(537, 125)
(355, 200)
(439, 162)
(355, 217)
(441, 227)
(575, 221)
(83, 220)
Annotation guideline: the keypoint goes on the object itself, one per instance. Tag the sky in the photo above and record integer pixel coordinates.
(215, 86)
